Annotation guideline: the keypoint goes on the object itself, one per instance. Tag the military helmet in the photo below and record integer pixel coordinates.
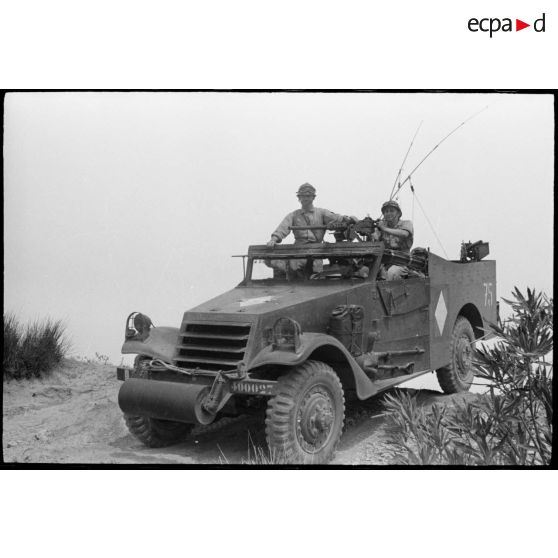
(306, 189)
(392, 203)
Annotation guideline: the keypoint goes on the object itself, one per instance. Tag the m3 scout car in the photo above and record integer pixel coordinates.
(302, 343)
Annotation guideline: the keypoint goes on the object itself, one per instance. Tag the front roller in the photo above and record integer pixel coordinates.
(169, 401)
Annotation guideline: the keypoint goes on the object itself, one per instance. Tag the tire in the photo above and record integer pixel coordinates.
(459, 374)
(154, 433)
(304, 419)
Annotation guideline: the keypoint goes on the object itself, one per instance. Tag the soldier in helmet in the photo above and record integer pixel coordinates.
(396, 234)
(307, 215)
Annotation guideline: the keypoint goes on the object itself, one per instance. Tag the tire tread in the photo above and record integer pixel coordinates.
(447, 375)
(280, 437)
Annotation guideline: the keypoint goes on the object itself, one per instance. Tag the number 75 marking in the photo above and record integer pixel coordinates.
(488, 297)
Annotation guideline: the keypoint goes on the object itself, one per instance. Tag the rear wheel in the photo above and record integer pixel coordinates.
(305, 416)
(458, 375)
(154, 433)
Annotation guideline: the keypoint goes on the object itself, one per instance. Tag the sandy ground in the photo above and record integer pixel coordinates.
(73, 417)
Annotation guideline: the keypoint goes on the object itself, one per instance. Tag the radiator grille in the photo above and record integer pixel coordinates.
(212, 346)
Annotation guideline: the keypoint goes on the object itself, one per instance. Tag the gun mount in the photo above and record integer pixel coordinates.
(474, 251)
(353, 255)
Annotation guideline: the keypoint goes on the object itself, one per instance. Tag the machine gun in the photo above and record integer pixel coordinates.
(346, 230)
(363, 231)
(474, 251)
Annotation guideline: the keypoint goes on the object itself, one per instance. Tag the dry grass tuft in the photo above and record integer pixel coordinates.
(32, 350)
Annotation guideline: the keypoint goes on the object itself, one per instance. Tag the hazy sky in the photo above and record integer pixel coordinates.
(117, 202)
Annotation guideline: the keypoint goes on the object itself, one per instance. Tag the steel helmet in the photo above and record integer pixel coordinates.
(392, 203)
(306, 189)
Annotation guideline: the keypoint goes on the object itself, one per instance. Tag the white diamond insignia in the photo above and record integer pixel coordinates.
(441, 313)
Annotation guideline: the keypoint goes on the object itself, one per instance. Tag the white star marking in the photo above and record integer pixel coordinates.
(257, 300)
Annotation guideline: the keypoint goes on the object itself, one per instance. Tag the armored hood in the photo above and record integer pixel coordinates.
(256, 301)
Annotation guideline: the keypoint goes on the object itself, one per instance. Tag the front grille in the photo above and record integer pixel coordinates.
(211, 345)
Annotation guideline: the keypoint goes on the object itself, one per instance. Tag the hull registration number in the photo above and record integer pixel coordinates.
(253, 387)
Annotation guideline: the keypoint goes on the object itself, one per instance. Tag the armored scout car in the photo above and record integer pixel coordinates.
(302, 340)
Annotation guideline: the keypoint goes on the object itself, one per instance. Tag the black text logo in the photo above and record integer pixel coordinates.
(493, 25)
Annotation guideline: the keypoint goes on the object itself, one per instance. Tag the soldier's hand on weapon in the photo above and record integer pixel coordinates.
(272, 242)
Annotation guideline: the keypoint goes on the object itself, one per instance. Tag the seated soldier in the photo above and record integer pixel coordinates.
(396, 234)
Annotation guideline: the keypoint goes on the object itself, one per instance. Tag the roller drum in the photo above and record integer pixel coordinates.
(164, 400)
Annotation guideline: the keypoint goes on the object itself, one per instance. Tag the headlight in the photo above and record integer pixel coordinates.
(286, 335)
(137, 325)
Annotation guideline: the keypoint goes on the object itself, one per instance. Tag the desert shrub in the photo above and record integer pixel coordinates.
(32, 350)
(509, 425)
(12, 337)
(103, 359)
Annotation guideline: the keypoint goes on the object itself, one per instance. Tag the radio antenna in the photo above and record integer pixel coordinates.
(401, 184)
(404, 159)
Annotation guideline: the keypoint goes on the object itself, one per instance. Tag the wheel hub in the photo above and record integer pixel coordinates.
(315, 419)
(464, 356)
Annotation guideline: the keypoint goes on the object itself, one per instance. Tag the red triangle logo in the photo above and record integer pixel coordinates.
(519, 25)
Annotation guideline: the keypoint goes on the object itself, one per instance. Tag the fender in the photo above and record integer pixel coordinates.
(161, 343)
(309, 343)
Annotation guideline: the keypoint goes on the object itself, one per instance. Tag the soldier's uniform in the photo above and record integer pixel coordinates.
(392, 242)
(395, 242)
(302, 218)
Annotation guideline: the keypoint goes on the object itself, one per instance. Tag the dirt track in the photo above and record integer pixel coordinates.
(73, 417)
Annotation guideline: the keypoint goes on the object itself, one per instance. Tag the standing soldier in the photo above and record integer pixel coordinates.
(396, 234)
(306, 216)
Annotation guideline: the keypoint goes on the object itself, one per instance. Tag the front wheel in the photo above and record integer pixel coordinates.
(154, 433)
(305, 416)
(458, 375)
